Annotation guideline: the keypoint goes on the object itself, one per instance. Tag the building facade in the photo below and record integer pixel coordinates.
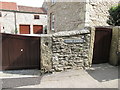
(22, 19)
(77, 14)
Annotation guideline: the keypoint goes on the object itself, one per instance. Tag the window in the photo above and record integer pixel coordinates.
(52, 21)
(36, 17)
(0, 14)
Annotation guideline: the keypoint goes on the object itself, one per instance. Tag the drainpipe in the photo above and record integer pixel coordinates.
(15, 23)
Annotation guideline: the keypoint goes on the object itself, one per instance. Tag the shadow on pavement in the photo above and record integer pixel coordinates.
(103, 72)
(22, 78)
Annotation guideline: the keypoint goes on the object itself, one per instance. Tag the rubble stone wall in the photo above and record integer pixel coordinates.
(70, 50)
(67, 49)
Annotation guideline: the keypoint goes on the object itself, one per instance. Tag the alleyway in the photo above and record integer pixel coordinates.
(100, 76)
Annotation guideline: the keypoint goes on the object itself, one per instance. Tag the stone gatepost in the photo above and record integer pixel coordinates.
(1, 82)
(115, 46)
(46, 52)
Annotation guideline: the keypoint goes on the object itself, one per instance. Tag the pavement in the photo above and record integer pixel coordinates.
(99, 76)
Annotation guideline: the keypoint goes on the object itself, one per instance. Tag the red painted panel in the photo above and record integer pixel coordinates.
(24, 29)
(37, 29)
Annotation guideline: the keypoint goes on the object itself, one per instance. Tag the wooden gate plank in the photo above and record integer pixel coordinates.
(20, 52)
(102, 45)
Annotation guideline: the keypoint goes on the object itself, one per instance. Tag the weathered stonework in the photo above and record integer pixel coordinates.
(75, 15)
(98, 11)
(68, 16)
(66, 50)
(46, 52)
(115, 46)
(70, 55)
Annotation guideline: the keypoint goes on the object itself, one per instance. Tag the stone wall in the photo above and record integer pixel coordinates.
(66, 50)
(76, 15)
(71, 50)
(46, 52)
(98, 11)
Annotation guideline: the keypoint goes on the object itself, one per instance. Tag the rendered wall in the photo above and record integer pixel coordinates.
(11, 20)
(115, 46)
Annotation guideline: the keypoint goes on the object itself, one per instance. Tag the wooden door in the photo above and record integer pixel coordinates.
(24, 29)
(102, 45)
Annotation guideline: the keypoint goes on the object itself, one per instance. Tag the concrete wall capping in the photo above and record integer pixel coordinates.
(68, 33)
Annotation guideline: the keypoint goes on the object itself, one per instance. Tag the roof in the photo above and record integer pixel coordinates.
(31, 9)
(12, 6)
(8, 5)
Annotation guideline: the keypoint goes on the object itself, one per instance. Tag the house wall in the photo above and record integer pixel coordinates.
(98, 11)
(8, 21)
(28, 19)
(68, 15)
(77, 15)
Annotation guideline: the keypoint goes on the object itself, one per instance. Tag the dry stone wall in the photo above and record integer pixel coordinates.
(70, 50)
(66, 50)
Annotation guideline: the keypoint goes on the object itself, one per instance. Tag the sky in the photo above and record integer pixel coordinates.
(33, 3)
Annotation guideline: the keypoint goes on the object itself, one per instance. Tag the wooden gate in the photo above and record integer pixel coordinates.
(20, 52)
(102, 45)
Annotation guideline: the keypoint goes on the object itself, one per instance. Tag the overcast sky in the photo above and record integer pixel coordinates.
(34, 3)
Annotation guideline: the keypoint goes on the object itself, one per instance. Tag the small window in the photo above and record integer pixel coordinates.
(36, 17)
(0, 14)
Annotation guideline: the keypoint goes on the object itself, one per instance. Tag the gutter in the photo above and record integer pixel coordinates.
(21, 11)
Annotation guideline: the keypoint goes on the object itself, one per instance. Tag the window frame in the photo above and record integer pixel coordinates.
(36, 17)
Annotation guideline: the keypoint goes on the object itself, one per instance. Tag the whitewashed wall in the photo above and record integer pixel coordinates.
(8, 21)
